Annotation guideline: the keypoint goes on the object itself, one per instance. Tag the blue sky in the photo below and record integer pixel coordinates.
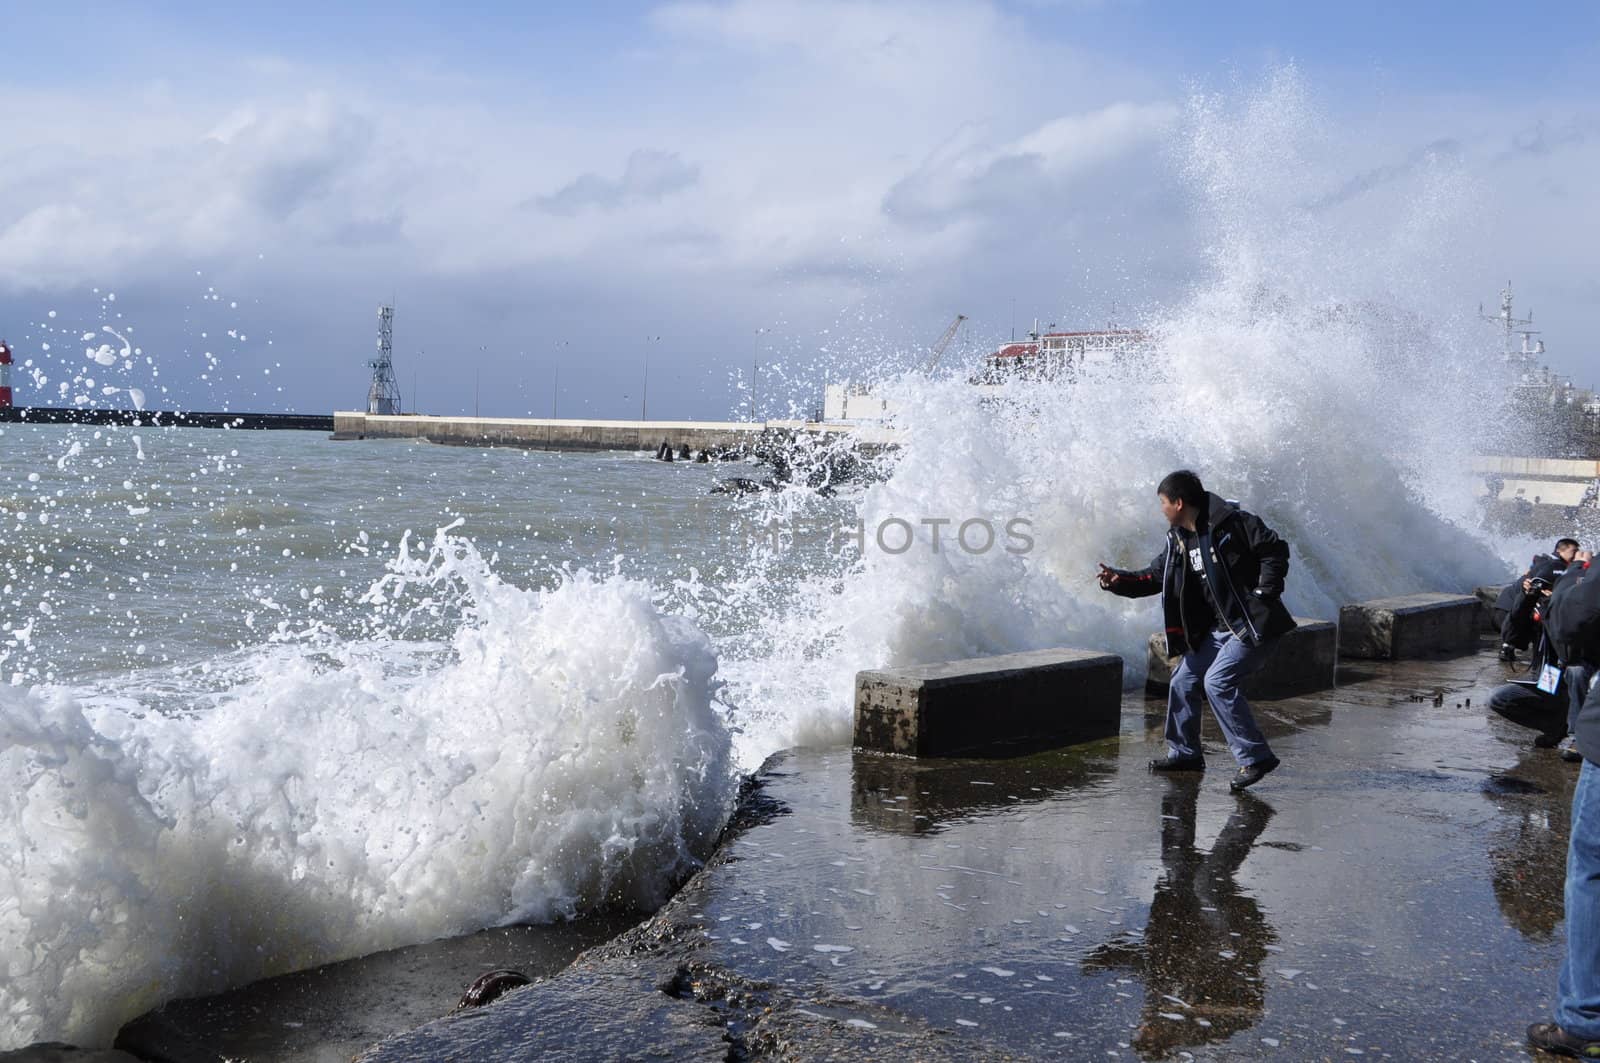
(799, 182)
(1427, 46)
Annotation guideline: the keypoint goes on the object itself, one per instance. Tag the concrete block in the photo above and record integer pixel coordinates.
(1303, 661)
(1487, 596)
(1017, 700)
(1414, 625)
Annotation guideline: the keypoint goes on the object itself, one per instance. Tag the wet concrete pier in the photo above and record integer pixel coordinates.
(1393, 891)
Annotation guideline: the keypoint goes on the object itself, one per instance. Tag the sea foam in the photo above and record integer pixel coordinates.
(1318, 370)
(564, 751)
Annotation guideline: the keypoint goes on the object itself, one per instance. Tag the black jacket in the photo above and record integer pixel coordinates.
(1245, 565)
(1516, 608)
(1572, 621)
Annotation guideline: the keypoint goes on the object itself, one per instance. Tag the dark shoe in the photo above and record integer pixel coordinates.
(1507, 652)
(1569, 750)
(1248, 777)
(1179, 764)
(1546, 741)
(1552, 1038)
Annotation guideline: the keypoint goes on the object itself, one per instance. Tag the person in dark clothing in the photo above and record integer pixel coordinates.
(1519, 601)
(1550, 708)
(1552, 713)
(1220, 575)
(1525, 705)
(1573, 625)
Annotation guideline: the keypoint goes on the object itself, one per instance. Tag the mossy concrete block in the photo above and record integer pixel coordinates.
(990, 704)
(1411, 626)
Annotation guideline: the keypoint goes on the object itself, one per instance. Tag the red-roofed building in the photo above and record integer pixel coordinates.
(1048, 355)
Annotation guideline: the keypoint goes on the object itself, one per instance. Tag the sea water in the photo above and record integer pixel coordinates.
(268, 700)
(253, 726)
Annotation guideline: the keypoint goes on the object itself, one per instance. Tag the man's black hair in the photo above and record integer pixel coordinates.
(1567, 542)
(1182, 486)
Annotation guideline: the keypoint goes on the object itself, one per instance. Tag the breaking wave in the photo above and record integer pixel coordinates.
(562, 752)
(1319, 374)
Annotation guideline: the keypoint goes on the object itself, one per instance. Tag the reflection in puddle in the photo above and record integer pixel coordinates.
(905, 796)
(1528, 845)
(1200, 956)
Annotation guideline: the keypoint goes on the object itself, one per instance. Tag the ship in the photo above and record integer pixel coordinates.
(1040, 356)
(1059, 355)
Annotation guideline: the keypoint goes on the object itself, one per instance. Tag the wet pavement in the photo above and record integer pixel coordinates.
(1393, 891)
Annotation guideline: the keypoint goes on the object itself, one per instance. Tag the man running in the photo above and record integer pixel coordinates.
(1220, 577)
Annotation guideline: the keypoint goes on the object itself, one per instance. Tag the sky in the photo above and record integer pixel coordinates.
(564, 201)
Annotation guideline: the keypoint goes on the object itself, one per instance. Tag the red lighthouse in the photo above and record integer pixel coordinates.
(5, 376)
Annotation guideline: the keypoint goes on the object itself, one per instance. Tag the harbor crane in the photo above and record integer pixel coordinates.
(943, 342)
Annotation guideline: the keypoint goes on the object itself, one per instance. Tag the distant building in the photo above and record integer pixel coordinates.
(1059, 355)
(1042, 356)
(854, 402)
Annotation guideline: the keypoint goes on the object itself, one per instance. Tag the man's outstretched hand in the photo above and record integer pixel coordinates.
(1108, 578)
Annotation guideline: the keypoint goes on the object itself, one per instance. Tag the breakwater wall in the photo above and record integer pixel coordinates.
(306, 422)
(554, 434)
(1541, 481)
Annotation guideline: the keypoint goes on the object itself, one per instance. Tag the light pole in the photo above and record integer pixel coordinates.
(522, 381)
(477, 379)
(754, 369)
(644, 398)
(555, 371)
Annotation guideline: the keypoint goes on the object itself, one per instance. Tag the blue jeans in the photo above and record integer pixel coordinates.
(1217, 664)
(1578, 990)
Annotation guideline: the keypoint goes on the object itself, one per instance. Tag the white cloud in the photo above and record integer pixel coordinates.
(962, 177)
(811, 114)
(648, 177)
(107, 207)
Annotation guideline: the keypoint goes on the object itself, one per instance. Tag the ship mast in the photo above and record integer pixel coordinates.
(1513, 325)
